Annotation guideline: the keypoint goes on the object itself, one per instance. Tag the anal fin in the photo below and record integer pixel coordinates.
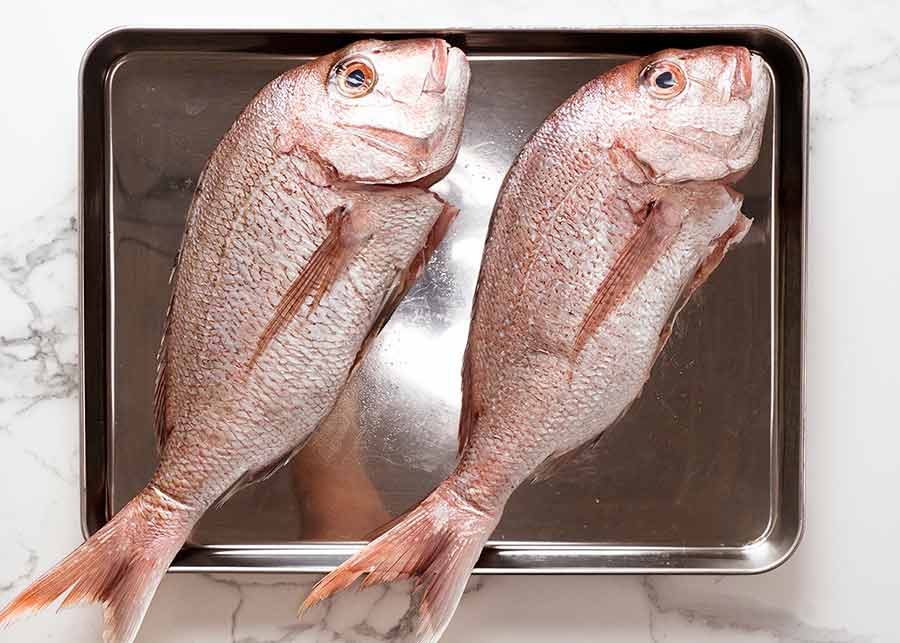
(561, 459)
(261, 474)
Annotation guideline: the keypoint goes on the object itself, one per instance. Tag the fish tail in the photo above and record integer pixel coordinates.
(437, 544)
(119, 567)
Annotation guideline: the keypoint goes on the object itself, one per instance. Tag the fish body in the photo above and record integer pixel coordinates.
(309, 222)
(233, 407)
(615, 211)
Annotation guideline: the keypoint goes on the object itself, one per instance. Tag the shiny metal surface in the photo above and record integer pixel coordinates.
(703, 474)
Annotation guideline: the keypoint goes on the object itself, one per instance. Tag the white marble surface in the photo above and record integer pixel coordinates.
(841, 586)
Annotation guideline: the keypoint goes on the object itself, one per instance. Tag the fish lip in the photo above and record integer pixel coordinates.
(742, 82)
(743, 157)
(421, 146)
(436, 81)
(455, 75)
(758, 95)
(455, 69)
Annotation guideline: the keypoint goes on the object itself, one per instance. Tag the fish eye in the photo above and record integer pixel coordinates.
(663, 79)
(354, 77)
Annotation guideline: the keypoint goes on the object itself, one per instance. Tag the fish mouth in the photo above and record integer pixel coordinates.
(390, 141)
(756, 79)
(752, 83)
(742, 80)
(759, 79)
(436, 80)
(757, 97)
(452, 68)
(449, 76)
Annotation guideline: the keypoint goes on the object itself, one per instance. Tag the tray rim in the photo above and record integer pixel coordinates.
(508, 557)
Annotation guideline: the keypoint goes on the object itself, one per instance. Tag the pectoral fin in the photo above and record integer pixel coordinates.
(641, 251)
(313, 281)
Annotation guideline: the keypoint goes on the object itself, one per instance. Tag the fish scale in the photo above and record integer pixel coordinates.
(264, 326)
(615, 211)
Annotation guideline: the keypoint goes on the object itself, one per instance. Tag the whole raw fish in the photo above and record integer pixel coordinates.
(308, 223)
(615, 211)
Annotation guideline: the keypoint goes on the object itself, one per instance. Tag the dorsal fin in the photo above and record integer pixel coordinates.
(161, 385)
(160, 391)
(468, 416)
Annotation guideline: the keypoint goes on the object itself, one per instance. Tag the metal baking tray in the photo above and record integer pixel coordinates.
(704, 474)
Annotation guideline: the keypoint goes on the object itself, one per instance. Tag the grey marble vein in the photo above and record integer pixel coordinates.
(31, 354)
(342, 620)
(738, 615)
(31, 565)
(47, 466)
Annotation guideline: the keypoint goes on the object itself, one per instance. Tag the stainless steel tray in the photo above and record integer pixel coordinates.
(703, 475)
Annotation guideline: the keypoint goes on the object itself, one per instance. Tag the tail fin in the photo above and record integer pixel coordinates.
(120, 566)
(437, 544)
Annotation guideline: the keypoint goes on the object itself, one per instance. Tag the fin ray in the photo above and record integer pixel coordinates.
(119, 567)
(314, 280)
(437, 544)
(641, 251)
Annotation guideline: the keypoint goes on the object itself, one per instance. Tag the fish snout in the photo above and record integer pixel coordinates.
(742, 81)
(436, 81)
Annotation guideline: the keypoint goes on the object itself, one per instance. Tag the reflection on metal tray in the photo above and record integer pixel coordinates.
(704, 472)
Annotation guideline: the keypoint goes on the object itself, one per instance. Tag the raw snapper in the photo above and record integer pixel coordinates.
(309, 222)
(615, 211)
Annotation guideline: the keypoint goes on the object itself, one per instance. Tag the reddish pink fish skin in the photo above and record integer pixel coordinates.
(317, 155)
(614, 212)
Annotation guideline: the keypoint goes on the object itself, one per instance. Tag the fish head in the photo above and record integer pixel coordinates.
(384, 112)
(698, 115)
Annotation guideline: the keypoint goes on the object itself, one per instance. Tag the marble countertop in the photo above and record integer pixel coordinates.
(839, 587)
